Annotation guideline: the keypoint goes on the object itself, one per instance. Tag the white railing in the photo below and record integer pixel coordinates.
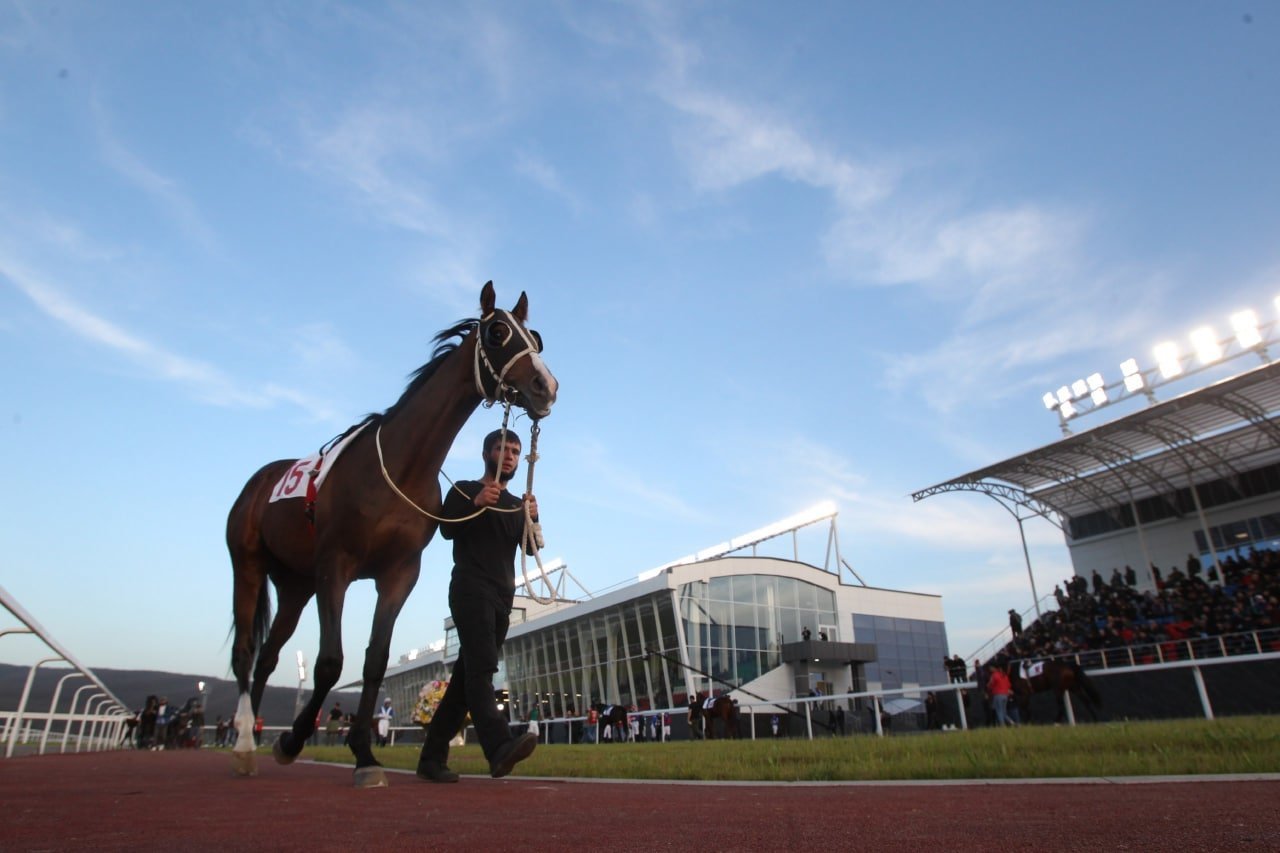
(98, 724)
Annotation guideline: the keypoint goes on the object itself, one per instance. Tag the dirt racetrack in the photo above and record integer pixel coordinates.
(188, 800)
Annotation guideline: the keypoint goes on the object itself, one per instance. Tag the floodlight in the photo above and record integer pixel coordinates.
(1133, 382)
(1079, 388)
(1099, 396)
(1206, 345)
(1050, 401)
(1095, 381)
(1168, 358)
(1064, 394)
(1245, 324)
(1067, 409)
(1129, 366)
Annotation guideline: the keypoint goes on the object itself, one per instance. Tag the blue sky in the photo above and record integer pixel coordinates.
(779, 254)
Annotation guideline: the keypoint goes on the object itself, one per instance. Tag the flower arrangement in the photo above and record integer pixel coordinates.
(428, 700)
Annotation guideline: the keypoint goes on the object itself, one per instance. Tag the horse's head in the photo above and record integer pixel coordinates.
(508, 357)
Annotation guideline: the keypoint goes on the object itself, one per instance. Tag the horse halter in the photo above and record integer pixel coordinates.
(503, 341)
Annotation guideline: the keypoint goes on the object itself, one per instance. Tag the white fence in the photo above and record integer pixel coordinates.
(95, 724)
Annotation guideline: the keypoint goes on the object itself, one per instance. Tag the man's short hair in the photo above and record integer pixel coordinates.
(491, 440)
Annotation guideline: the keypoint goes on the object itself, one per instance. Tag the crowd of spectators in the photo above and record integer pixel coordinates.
(1189, 603)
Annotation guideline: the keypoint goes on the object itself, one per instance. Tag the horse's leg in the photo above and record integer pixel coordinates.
(394, 586)
(331, 592)
(251, 605)
(293, 591)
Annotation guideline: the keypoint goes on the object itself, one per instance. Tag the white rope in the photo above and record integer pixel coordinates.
(532, 529)
(531, 539)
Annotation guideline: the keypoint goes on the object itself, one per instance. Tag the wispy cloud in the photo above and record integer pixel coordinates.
(810, 470)
(1012, 266)
(617, 485)
(545, 175)
(165, 191)
(203, 381)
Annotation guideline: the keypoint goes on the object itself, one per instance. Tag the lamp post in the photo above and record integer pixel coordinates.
(200, 686)
(302, 677)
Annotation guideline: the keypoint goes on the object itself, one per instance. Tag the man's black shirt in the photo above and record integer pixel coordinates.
(484, 548)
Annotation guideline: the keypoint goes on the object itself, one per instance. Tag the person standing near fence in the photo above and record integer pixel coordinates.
(999, 687)
(384, 717)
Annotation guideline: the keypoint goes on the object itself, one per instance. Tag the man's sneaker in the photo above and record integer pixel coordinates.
(435, 771)
(512, 753)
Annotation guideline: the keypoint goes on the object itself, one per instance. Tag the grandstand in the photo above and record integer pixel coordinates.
(1170, 513)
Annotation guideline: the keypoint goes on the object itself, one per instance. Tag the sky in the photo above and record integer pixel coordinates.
(779, 254)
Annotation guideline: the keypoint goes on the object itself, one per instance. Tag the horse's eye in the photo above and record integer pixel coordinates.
(497, 334)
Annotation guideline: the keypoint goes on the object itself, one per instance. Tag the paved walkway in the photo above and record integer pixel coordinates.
(189, 801)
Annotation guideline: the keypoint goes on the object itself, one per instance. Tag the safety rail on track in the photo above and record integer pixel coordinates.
(100, 720)
(1189, 653)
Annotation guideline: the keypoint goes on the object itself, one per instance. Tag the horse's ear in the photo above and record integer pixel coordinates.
(521, 311)
(487, 299)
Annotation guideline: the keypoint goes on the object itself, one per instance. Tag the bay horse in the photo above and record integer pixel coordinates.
(614, 718)
(1062, 677)
(368, 521)
(721, 708)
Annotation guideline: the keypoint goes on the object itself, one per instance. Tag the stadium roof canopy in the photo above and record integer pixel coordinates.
(1211, 433)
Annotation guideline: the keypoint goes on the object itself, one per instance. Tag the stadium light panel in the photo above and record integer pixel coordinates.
(1129, 366)
(1050, 401)
(1245, 324)
(1134, 383)
(1064, 394)
(1168, 358)
(1099, 396)
(1067, 409)
(1079, 388)
(1205, 342)
(1095, 381)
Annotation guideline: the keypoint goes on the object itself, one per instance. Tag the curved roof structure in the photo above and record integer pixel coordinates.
(1215, 432)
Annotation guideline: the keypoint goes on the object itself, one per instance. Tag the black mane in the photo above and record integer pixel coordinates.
(446, 342)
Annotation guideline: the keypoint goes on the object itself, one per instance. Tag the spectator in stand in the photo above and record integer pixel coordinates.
(1097, 583)
(1157, 623)
(1015, 623)
(999, 688)
(1130, 577)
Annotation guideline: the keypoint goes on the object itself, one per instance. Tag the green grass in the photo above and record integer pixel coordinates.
(1231, 745)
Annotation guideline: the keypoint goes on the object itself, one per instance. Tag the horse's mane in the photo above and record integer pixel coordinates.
(446, 342)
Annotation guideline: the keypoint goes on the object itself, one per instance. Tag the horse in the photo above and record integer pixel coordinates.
(707, 711)
(1062, 677)
(367, 521)
(614, 718)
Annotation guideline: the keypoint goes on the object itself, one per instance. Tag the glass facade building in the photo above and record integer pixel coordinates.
(704, 627)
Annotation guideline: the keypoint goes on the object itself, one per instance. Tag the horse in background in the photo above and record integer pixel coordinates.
(370, 520)
(703, 714)
(613, 719)
(1062, 677)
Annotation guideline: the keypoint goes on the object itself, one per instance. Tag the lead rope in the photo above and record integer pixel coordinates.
(531, 540)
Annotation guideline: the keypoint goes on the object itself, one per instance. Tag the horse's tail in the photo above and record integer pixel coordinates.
(1087, 685)
(261, 622)
(261, 618)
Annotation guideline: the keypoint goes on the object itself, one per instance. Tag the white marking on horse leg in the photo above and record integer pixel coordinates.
(244, 725)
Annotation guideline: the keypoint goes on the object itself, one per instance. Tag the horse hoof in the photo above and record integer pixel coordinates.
(244, 764)
(370, 777)
(277, 751)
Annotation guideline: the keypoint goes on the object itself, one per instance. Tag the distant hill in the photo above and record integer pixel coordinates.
(133, 687)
